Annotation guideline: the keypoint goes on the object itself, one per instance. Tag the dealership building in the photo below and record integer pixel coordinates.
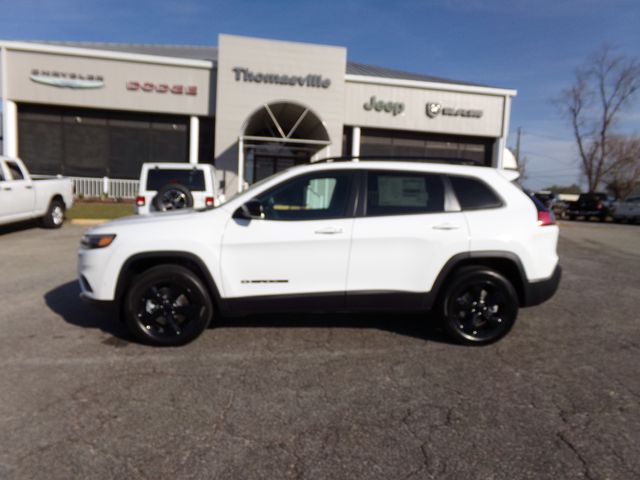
(249, 106)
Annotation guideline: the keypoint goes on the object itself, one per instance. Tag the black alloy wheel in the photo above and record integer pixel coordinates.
(167, 305)
(479, 306)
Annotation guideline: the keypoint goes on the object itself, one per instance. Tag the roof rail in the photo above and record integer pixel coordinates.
(405, 158)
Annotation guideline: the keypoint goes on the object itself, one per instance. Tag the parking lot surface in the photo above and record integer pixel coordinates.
(315, 397)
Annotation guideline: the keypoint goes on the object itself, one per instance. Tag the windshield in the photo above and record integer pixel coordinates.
(253, 186)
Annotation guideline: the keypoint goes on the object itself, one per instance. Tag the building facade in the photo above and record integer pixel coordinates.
(250, 106)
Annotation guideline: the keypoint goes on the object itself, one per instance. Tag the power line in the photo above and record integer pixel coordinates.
(550, 137)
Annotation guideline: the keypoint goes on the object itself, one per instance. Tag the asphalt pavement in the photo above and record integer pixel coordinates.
(322, 397)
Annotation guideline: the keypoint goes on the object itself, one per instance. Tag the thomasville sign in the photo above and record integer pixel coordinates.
(311, 80)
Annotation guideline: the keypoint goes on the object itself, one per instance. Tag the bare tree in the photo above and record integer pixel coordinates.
(624, 176)
(602, 89)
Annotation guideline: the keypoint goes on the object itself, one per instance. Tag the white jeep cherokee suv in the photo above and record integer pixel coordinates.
(341, 236)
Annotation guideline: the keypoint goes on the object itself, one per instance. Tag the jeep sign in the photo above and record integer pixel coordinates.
(395, 108)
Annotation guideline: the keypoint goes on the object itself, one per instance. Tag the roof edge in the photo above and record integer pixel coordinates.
(457, 87)
(105, 54)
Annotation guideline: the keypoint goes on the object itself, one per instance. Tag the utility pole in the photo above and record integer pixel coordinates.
(519, 134)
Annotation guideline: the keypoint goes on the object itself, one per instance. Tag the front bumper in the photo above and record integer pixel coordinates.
(103, 305)
(542, 290)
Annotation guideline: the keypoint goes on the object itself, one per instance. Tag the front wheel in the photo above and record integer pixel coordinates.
(167, 305)
(479, 306)
(54, 218)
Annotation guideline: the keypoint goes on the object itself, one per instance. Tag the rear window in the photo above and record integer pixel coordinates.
(391, 193)
(474, 194)
(193, 179)
(593, 196)
(14, 171)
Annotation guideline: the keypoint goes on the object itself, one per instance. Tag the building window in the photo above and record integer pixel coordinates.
(476, 150)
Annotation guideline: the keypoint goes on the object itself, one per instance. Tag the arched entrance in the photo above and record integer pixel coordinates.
(277, 136)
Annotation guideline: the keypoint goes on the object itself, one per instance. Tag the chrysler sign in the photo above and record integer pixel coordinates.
(66, 80)
(310, 80)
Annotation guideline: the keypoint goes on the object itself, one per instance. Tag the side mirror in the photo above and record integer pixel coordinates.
(252, 210)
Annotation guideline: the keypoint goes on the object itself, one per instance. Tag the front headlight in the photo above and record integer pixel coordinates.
(97, 241)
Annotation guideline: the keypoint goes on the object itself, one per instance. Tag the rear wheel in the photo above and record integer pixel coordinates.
(54, 218)
(479, 306)
(167, 305)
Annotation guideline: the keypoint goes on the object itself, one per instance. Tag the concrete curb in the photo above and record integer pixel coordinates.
(88, 221)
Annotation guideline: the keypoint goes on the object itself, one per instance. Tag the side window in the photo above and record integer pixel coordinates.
(474, 194)
(310, 197)
(14, 171)
(400, 193)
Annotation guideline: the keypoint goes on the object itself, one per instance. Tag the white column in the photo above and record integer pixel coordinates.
(501, 143)
(240, 164)
(194, 139)
(355, 143)
(9, 128)
(9, 111)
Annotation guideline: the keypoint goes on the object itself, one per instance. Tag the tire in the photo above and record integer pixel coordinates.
(479, 306)
(54, 218)
(167, 305)
(173, 197)
(572, 217)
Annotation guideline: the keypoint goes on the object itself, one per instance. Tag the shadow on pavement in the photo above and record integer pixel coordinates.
(64, 300)
(18, 227)
(424, 327)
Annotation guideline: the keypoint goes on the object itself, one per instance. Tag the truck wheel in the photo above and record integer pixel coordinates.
(173, 197)
(167, 305)
(54, 218)
(479, 306)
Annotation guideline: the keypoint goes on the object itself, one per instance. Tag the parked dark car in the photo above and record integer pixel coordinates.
(592, 204)
(547, 198)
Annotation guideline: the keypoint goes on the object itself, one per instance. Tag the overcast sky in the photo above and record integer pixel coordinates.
(531, 46)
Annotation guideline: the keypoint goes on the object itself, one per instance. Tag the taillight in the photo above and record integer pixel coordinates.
(208, 202)
(545, 218)
(140, 201)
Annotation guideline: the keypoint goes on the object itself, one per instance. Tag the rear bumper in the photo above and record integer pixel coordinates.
(542, 290)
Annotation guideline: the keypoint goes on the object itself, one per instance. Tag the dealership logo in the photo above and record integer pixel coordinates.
(311, 80)
(435, 109)
(176, 89)
(395, 108)
(58, 79)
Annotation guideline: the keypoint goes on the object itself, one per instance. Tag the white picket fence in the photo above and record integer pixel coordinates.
(89, 187)
(101, 187)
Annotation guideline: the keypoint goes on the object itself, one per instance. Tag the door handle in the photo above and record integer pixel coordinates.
(446, 226)
(328, 231)
(7, 188)
(29, 187)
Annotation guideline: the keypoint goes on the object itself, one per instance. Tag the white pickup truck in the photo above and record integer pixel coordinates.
(24, 198)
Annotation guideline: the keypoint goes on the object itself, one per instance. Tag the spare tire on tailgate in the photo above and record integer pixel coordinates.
(173, 196)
